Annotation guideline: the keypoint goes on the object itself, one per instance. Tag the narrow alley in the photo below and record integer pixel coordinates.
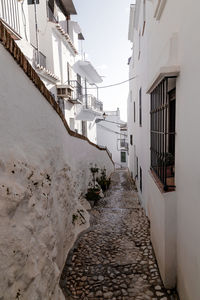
(114, 259)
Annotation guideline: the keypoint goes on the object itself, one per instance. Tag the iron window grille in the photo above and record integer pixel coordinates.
(163, 110)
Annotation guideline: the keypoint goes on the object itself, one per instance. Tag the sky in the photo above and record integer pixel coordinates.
(104, 25)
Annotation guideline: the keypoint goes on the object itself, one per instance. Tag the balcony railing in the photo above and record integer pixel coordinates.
(39, 58)
(91, 102)
(77, 94)
(9, 12)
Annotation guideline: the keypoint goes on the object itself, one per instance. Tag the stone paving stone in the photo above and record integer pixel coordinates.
(114, 259)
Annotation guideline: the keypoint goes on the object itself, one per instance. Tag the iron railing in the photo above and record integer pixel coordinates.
(163, 134)
(91, 102)
(39, 58)
(9, 12)
(77, 93)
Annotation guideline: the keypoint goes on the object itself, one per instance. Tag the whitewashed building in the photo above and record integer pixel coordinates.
(163, 123)
(112, 133)
(44, 169)
(50, 39)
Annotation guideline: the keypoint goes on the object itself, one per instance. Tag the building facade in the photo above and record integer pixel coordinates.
(51, 40)
(163, 125)
(112, 133)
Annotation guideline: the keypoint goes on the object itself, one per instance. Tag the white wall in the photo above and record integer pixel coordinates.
(43, 173)
(187, 154)
(107, 136)
(174, 217)
(158, 48)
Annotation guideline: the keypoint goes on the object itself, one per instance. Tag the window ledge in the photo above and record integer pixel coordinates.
(167, 71)
(159, 184)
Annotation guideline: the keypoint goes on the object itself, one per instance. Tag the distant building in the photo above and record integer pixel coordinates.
(163, 129)
(111, 132)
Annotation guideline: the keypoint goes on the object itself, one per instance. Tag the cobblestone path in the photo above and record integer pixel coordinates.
(114, 258)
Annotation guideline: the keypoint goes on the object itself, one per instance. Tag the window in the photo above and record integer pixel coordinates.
(140, 107)
(33, 1)
(131, 139)
(84, 128)
(134, 116)
(123, 157)
(51, 11)
(163, 111)
(141, 179)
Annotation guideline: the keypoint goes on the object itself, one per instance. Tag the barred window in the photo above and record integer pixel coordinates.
(163, 111)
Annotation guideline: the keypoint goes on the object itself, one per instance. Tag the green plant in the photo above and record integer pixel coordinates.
(74, 218)
(94, 170)
(166, 158)
(103, 181)
(93, 194)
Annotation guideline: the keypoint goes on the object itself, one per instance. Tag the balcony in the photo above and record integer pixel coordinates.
(77, 94)
(90, 109)
(39, 58)
(91, 102)
(122, 145)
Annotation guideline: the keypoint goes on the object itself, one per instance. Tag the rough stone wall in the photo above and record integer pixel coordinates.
(44, 173)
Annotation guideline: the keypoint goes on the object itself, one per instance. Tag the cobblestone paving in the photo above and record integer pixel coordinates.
(114, 258)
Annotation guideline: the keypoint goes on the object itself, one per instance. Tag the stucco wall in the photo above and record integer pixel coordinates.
(158, 47)
(107, 136)
(161, 209)
(174, 216)
(43, 174)
(187, 158)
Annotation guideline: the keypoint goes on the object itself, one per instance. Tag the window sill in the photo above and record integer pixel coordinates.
(160, 185)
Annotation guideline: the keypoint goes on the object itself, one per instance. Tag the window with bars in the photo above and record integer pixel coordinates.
(163, 113)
